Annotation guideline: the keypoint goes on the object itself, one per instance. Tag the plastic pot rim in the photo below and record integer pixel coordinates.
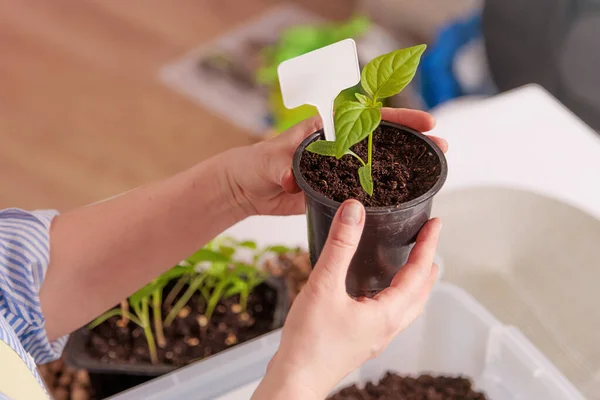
(321, 198)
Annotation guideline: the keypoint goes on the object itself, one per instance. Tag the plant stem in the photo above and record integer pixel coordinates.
(145, 318)
(125, 312)
(214, 299)
(176, 290)
(112, 313)
(244, 299)
(356, 156)
(183, 300)
(205, 293)
(370, 159)
(157, 312)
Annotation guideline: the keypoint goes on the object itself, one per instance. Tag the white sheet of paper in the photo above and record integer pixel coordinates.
(316, 78)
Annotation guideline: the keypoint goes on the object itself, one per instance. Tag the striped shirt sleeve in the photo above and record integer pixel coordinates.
(24, 259)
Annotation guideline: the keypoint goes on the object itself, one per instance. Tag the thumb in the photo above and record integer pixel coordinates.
(344, 236)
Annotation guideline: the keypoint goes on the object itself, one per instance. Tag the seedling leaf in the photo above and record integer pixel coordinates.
(248, 244)
(364, 100)
(353, 123)
(237, 286)
(227, 251)
(136, 298)
(279, 249)
(206, 255)
(322, 147)
(366, 179)
(327, 148)
(388, 74)
(173, 273)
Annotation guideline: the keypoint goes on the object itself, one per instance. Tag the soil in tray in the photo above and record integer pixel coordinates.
(404, 168)
(425, 387)
(187, 340)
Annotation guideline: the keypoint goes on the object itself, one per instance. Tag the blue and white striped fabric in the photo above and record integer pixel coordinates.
(24, 258)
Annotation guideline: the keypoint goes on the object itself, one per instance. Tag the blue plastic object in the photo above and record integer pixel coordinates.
(437, 80)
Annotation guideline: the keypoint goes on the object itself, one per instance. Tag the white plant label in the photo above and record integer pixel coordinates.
(316, 78)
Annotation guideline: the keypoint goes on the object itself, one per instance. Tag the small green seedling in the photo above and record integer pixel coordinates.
(196, 280)
(140, 316)
(384, 76)
(223, 277)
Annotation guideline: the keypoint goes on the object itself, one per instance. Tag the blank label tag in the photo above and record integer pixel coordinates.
(316, 78)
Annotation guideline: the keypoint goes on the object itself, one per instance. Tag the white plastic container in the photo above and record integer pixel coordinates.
(454, 336)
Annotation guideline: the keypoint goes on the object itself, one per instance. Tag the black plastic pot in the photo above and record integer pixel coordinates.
(389, 232)
(109, 379)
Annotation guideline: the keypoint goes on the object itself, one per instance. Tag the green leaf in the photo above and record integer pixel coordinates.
(388, 74)
(366, 179)
(322, 147)
(218, 269)
(206, 255)
(364, 100)
(279, 249)
(136, 298)
(354, 122)
(227, 251)
(237, 285)
(248, 244)
(173, 273)
(353, 154)
(326, 148)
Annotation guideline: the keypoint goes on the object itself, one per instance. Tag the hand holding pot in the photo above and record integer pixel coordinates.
(328, 334)
(260, 176)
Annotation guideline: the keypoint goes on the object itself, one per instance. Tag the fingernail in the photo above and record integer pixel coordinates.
(351, 213)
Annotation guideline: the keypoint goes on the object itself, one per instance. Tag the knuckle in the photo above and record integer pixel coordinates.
(343, 240)
(390, 322)
(412, 315)
(378, 348)
(318, 287)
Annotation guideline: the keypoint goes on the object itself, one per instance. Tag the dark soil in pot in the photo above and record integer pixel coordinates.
(117, 357)
(408, 170)
(186, 339)
(425, 387)
(404, 168)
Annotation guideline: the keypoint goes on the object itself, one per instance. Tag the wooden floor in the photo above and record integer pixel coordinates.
(82, 114)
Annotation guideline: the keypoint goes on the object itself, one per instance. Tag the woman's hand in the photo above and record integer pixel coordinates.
(327, 334)
(260, 176)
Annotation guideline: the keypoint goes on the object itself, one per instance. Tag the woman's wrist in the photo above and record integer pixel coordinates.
(234, 163)
(220, 168)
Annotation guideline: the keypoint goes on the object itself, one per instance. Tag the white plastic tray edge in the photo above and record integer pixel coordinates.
(233, 374)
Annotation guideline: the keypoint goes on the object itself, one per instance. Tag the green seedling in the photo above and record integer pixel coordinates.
(205, 255)
(140, 317)
(243, 280)
(139, 303)
(221, 278)
(224, 276)
(177, 288)
(355, 121)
